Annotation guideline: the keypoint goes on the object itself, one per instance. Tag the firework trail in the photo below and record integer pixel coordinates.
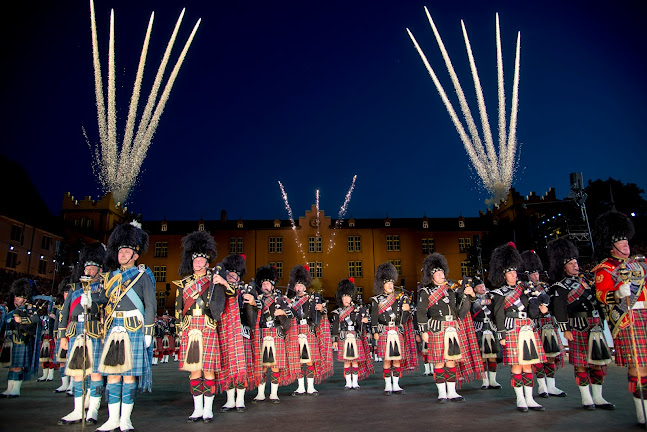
(294, 226)
(341, 214)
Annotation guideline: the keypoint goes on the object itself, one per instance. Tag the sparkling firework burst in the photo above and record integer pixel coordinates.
(284, 195)
(496, 171)
(342, 213)
(118, 169)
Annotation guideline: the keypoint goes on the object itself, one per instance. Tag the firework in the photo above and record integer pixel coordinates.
(118, 169)
(294, 226)
(496, 171)
(341, 214)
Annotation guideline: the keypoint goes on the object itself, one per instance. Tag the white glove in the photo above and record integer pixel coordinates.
(86, 300)
(624, 290)
(148, 339)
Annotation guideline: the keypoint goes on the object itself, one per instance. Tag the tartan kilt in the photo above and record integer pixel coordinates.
(252, 377)
(578, 348)
(232, 348)
(158, 346)
(97, 347)
(142, 357)
(623, 341)
(510, 351)
(57, 348)
(471, 364)
(312, 342)
(437, 343)
(550, 320)
(171, 345)
(21, 355)
(210, 345)
(176, 343)
(364, 365)
(324, 368)
(47, 339)
(363, 351)
(279, 347)
(381, 342)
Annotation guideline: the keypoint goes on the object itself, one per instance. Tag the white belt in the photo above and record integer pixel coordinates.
(127, 314)
(639, 305)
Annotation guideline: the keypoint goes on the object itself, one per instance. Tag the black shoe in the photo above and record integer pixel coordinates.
(606, 406)
(257, 401)
(457, 399)
(388, 392)
(207, 420)
(537, 408)
(399, 392)
(588, 407)
(240, 409)
(41, 380)
(494, 387)
(276, 401)
(347, 388)
(314, 393)
(12, 396)
(60, 391)
(522, 409)
(543, 395)
(225, 409)
(62, 422)
(484, 387)
(91, 421)
(297, 394)
(193, 419)
(562, 394)
(441, 400)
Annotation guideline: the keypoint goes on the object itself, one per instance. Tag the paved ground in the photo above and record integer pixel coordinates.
(169, 405)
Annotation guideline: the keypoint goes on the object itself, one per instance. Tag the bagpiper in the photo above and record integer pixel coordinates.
(620, 286)
(438, 313)
(514, 309)
(350, 323)
(576, 310)
(61, 354)
(195, 303)
(531, 266)
(231, 334)
(486, 334)
(80, 332)
(23, 327)
(129, 292)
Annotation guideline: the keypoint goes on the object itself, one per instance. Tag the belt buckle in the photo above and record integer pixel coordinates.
(449, 317)
(486, 320)
(596, 314)
(80, 318)
(303, 322)
(350, 328)
(522, 315)
(119, 314)
(270, 324)
(391, 323)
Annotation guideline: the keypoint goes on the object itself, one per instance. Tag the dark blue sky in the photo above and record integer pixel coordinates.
(311, 93)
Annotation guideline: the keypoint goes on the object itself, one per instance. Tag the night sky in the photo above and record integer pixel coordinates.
(312, 93)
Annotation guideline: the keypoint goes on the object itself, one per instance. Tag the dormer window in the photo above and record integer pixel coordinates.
(425, 224)
(240, 224)
(201, 227)
(387, 223)
(164, 227)
(277, 223)
(351, 223)
(461, 223)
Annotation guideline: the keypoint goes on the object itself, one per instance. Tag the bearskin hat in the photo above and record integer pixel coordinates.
(197, 244)
(235, 263)
(530, 262)
(128, 235)
(22, 288)
(611, 227)
(476, 281)
(300, 274)
(93, 255)
(385, 272)
(64, 285)
(431, 265)
(560, 251)
(265, 273)
(77, 272)
(504, 258)
(346, 287)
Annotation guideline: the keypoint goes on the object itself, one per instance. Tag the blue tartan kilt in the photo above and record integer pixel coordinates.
(57, 348)
(142, 356)
(97, 347)
(22, 355)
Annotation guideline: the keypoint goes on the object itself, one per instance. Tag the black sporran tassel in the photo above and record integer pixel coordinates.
(111, 355)
(266, 355)
(193, 354)
(604, 351)
(86, 359)
(63, 354)
(533, 352)
(554, 345)
(596, 353)
(76, 362)
(122, 352)
(455, 347)
(495, 347)
(304, 353)
(547, 343)
(350, 352)
(487, 349)
(526, 351)
(396, 350)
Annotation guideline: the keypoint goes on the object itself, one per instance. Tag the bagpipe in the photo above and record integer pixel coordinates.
(280, 303)
(318, 299)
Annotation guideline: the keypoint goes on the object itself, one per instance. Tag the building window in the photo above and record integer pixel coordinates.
(277, 223)
(201, 227)
(316, 269)
(360, 292)
(393, 243)
(235, 245)
(279, 268)
(161, 299)
(240, 224)
(464, 243)
(42, 267)
(387, 223)
(398, 265)
(161, 249)
(351, 223)
(425, 224)
(46, 242)
(461, 223)
(16, 232)
(276, 244)
(12, 259)
(428, 246)
(164, 227)
(314, 244)
(354, 243)
(465, 269)
(160, 273)
(355, 269)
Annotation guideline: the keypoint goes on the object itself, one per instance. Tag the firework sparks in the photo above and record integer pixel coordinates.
(317, 206)
(294, 226)
(118, 170)
(341, 214)
(495, 171)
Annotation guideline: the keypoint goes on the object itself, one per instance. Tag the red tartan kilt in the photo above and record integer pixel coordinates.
(210, 345)
(171, 345)
(510, 351)
(623, 344)
(279, 346)
(249, 355)
(578, 349)
(158, 348)
(363, 355)
(381, 342)
(437, 343)
(312, 342)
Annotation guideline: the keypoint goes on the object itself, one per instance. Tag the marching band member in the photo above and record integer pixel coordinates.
(129, 291)
(575, 308)
(514, 310)
(485, 330)
(61, 354)
(194, 305)
(620, 286)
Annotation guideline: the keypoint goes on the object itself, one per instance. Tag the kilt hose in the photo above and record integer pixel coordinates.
(511, 349)
(97, 346)
(623, 342)
(210, 345)
(324, 366)
(364, 359)
(233, 363)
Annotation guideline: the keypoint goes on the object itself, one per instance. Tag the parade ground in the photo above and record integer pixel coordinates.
(367, 409)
